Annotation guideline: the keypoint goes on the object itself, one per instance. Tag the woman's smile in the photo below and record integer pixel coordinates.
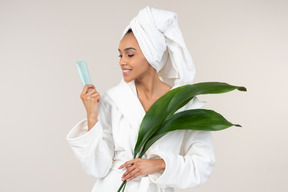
(126, 71)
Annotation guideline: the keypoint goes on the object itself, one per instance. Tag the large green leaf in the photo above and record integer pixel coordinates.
(153, 118)
(164, 108)
(195, 119)
(168, 104)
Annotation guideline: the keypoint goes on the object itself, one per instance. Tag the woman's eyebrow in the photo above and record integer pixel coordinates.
(128, 49)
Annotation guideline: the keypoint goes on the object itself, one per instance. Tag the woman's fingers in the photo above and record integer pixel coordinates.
(91, 91)
(132, 171)
(131, 174)
(128, 163)
(138, 166)
(96, 95)
(85, 89)
(134, 176)
(90, 98)
(128, 170)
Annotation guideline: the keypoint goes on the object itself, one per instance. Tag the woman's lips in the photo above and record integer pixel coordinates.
(126, 71)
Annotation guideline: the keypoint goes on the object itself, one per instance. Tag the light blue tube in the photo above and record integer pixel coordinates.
(83, 73)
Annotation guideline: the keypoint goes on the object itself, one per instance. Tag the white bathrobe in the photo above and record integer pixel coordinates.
(188, 155)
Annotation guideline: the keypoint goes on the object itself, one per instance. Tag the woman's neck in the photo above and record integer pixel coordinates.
(150, 86)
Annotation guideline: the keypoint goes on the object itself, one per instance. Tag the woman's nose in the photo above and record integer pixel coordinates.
(122, 61)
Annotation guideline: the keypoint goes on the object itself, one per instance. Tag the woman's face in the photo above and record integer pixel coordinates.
(132, 61)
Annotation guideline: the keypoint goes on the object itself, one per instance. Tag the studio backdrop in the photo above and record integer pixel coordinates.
(239, 42)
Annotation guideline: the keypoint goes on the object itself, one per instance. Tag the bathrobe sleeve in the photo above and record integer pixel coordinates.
(94, 148)
(192, 167)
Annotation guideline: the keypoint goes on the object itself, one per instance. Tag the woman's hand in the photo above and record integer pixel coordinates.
(137, 167)
(90, 98)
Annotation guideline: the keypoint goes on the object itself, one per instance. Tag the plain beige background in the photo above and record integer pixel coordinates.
(241, 42)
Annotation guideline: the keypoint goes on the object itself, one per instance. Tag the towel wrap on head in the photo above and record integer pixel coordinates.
(161, 41)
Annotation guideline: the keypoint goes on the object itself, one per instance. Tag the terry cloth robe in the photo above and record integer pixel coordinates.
(188, 155)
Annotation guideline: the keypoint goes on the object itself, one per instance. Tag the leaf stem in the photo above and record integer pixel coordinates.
(122, 185)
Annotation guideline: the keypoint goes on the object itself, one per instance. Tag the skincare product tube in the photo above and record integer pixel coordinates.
(83, 73)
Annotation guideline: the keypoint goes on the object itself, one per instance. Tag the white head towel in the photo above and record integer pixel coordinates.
(162, 44)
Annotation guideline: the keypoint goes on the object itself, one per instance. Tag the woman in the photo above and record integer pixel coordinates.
(154, 60)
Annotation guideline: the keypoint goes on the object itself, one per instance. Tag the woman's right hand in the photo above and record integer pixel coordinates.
(90, 98)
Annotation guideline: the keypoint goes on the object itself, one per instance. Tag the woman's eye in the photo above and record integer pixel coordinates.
(128, 56)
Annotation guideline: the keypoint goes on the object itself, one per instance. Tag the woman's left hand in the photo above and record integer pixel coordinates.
(137, 167)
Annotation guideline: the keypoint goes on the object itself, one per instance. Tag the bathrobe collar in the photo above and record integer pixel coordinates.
(124, 96)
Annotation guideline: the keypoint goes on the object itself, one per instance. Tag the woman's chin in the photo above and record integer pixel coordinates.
(127, 80)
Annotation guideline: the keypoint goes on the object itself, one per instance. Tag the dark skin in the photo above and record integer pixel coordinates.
(149, 89)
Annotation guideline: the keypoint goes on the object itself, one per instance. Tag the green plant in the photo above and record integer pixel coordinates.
(161, 118)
